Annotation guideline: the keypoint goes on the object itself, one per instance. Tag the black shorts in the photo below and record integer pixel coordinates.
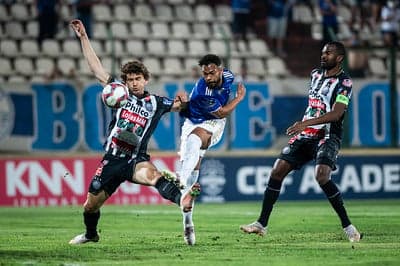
(301, 151)
(113, 171)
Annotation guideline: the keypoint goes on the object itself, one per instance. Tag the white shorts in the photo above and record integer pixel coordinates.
(215, 127)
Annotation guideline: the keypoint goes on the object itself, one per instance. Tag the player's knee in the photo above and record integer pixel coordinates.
(280, 169)
(152, 181)
(95, 186)
(152, 177)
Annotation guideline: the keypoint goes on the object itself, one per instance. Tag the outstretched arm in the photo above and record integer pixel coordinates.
(180, 101)
(225, 110)
(93, 61)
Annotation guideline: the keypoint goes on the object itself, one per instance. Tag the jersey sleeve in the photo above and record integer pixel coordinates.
(229, 77)
(344, 91)
(164, 104)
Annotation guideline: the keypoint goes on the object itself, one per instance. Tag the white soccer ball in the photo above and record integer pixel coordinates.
(115, 95)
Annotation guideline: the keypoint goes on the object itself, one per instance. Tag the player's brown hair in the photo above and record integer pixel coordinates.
(135, 67)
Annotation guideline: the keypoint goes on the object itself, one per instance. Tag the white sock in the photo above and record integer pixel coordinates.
(190, 158)
(187, 218)
(194, 176)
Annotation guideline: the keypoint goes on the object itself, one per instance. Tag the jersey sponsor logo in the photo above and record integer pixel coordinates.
(122, 146)
(316, 103)
(136, 109)
(133, 118)
(313, 132)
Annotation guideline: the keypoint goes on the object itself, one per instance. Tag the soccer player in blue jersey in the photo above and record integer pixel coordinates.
(209, 105)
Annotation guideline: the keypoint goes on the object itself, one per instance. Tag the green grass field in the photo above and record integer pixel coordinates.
(300, 233)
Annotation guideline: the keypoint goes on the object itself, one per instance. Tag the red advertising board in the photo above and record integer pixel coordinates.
(55, 181)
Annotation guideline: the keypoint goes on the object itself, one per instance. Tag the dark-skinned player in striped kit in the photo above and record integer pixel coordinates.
(317, 137)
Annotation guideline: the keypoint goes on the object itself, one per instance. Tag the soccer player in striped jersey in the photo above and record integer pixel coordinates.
(317, 137)
(209, 105)
(126, 157)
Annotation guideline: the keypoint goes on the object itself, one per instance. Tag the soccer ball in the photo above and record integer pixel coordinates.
(115, 95)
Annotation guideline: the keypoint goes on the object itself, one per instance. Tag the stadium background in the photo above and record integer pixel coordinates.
(52, 129)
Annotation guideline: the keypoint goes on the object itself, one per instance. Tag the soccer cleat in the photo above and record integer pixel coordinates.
(82, 239)
(254, 228)
(172, 178)
(187, 199)
(189, 236)
(352, 233)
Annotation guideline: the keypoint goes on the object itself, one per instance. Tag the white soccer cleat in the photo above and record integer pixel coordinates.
(254, 228)
(187, 199)
(352, 233)
(189, 235)
(82, 239)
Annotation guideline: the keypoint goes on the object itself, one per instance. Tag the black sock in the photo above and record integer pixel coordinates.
(271, 195)
(168, 190)
(90, 220)
(335, 198)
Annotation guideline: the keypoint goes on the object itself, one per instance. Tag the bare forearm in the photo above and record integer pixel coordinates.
(323, 119)
(298, 127)
(93, 61)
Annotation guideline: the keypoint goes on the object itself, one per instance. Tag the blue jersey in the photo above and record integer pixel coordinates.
(204, 101)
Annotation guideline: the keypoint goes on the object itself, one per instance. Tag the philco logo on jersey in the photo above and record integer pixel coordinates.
(136, 109)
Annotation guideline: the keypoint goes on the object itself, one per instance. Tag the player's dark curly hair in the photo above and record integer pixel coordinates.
(135, 67)
(210, 59)
(339, 47)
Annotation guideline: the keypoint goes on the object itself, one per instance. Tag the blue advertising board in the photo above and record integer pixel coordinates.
(245, 178)
(61, 117)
